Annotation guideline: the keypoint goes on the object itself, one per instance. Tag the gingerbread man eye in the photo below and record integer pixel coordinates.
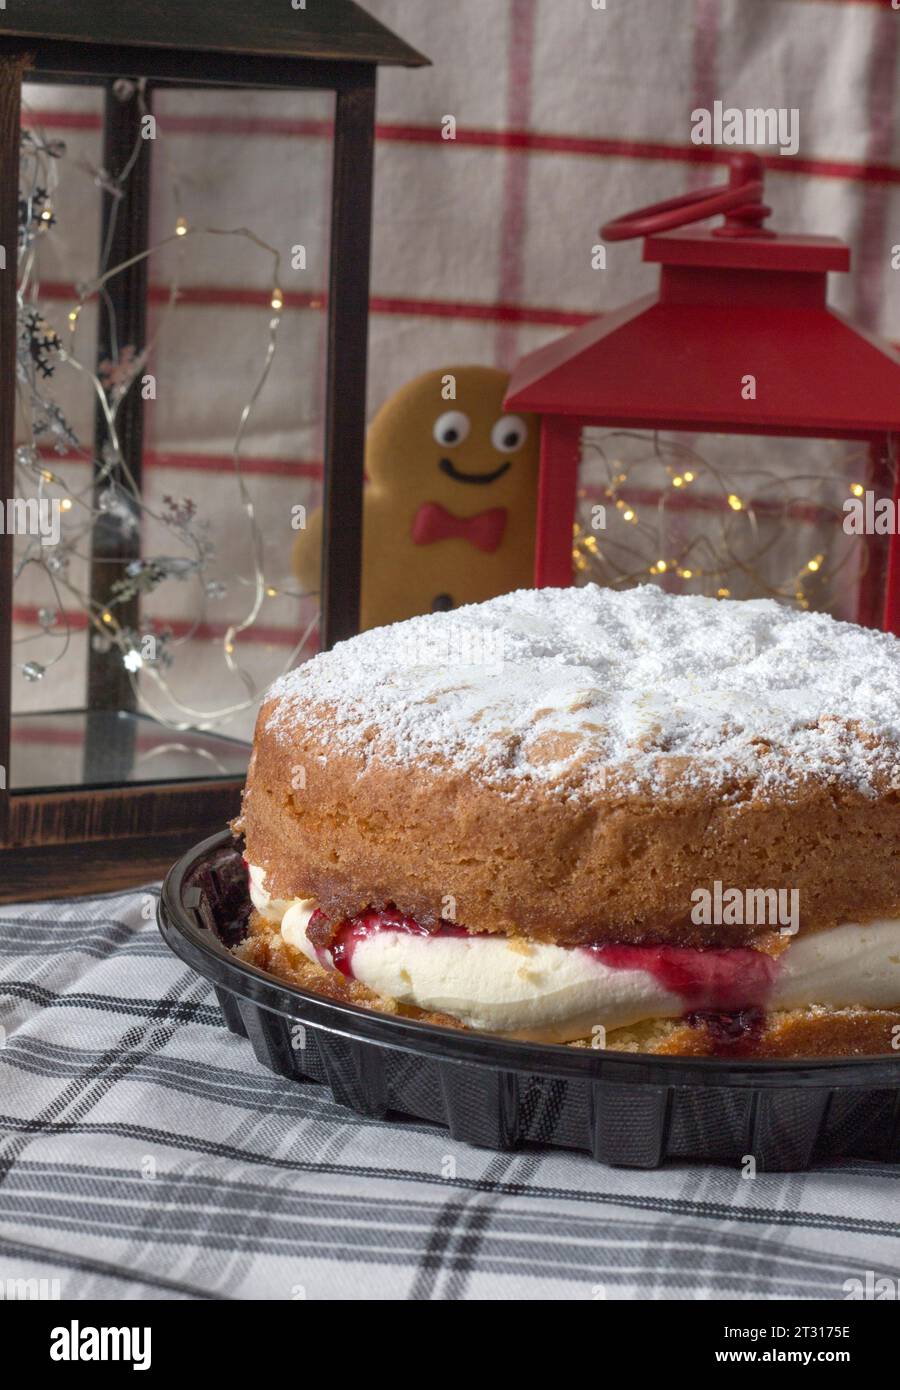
(509, 434)
(451, 428)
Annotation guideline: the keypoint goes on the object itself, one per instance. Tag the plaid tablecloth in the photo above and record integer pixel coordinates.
(145, 1153)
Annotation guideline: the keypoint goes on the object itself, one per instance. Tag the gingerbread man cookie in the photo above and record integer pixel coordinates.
(450, 503)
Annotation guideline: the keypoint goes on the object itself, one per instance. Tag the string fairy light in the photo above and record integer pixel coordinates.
(149, 651)
(731, 555)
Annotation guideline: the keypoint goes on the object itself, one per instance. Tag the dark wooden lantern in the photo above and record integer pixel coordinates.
(69, 840)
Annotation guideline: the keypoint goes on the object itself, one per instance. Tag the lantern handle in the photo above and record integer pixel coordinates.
(740, 198)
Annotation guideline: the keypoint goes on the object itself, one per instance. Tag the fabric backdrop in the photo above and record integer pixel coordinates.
(566, 115)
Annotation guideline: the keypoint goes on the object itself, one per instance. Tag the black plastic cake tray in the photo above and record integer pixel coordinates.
(625, 1109)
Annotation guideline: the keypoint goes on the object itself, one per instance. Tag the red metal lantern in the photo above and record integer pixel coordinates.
(732, 302)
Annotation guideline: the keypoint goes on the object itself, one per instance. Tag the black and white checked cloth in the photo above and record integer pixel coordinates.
(145, 1153)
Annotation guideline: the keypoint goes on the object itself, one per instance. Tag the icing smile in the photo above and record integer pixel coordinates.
(452, 471)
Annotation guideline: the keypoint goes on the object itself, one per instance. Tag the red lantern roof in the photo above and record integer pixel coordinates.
(734, 303)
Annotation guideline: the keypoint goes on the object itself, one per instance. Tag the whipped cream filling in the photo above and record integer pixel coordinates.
(548, 993)
(273, 909)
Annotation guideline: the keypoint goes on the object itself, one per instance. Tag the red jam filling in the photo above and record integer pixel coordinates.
(721, 978)
(731, 1034)
(714, 980)
(353, 930)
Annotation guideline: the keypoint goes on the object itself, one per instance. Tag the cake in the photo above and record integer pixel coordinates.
(617, 819)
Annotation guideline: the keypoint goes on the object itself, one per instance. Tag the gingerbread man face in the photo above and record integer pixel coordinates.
(450, 504)
(451, 501)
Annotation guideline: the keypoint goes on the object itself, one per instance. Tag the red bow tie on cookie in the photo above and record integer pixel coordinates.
(434, 523)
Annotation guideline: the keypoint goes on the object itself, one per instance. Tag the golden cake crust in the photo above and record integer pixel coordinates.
(628, 750)
(787, 1034)
(436, 844)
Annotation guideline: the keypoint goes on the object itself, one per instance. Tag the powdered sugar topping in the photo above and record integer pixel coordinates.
(594, 690)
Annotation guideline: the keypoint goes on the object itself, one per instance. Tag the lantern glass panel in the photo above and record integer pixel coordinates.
(210, 612)
(737, 516)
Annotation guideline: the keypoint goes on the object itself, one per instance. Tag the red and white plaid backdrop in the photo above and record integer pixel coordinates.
(566, 115)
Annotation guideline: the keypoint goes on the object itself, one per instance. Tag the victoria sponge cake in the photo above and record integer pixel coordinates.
(616, 819)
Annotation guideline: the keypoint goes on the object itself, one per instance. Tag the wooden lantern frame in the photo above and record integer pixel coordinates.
(66, 840)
